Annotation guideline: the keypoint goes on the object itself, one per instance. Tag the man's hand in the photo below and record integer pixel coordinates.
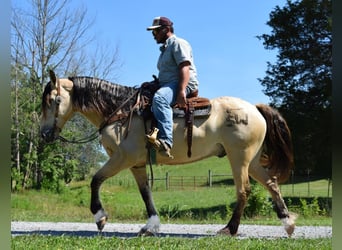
(181, 99)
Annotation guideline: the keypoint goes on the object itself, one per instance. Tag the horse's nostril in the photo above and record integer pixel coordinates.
(46, 134)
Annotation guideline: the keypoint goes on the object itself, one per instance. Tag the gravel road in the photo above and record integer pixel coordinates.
(170, 230)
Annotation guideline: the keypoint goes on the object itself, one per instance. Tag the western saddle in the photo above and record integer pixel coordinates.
(197, 107)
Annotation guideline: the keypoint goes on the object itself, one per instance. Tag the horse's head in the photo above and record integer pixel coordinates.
(56, 107)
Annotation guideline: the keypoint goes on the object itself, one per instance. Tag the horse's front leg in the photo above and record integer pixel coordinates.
(152, 226)
(111, 168)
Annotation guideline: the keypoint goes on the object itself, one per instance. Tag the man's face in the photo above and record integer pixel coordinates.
(160, 34)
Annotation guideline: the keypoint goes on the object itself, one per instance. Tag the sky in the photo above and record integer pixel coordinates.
(228, 56)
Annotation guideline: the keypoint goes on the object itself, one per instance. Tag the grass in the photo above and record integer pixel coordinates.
(78, 243)
(123, 203)
(204, 205)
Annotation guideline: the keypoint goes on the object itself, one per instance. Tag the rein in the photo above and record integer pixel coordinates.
(122, 116)
(89, 138)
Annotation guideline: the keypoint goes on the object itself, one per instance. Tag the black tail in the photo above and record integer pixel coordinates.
(278, 143)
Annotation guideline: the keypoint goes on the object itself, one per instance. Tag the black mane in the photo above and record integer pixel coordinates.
(103, 96)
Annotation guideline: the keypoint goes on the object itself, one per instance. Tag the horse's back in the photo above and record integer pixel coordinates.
(236, 114)
(233, 124)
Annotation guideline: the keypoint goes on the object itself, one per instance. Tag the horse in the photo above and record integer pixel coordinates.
(255, 139)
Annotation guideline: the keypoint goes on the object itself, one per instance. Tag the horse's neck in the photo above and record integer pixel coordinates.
(97, 99)
(93, 117)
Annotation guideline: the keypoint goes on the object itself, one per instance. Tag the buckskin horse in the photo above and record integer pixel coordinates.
(255, 139)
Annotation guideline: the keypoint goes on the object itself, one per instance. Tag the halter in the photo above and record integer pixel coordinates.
(58, 101)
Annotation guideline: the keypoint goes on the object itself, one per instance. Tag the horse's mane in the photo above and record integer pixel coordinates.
(91, 93)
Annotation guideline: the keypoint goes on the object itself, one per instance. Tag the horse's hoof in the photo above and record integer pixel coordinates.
(146, 233)
(289, 223)
(101, 223)
(100, 219)
(225, 231)
(290, 229)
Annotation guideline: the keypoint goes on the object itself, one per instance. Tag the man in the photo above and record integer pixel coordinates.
(177, 78)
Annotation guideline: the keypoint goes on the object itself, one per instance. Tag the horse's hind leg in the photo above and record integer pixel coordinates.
(260, 174)
(153, 223)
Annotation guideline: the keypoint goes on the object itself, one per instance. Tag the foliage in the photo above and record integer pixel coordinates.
(258, 203)
(45, 35)
(299, 83)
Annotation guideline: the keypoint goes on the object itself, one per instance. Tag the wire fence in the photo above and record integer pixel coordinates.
(298, 185)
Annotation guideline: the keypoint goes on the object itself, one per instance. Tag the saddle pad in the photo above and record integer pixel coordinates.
(201, 106)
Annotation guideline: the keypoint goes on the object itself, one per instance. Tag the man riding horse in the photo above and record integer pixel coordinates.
(177, 79)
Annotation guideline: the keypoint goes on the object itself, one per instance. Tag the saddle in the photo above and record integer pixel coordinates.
(197, 107)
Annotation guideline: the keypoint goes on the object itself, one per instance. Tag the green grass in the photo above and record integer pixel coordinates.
(122, 201)
(77, 243)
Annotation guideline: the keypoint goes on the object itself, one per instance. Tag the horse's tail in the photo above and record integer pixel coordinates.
(278, 155)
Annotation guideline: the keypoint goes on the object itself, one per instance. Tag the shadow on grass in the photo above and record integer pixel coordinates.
(220, 211)
(81, 233)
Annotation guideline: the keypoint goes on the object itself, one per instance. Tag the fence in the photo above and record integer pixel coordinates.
(182, 182)
(296, 186)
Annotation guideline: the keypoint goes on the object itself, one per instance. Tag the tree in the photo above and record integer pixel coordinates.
(299, 83)
(45, 35)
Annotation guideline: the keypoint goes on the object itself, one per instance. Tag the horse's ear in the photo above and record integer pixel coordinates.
(53, 78)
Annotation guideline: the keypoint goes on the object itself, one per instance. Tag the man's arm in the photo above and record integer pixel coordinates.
(184, 76)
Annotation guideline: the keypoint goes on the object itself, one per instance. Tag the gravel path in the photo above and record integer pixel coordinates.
(171, 230)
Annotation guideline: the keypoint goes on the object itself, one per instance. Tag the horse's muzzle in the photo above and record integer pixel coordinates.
(48, 135)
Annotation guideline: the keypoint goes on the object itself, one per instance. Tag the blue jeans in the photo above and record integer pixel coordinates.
(162, 103)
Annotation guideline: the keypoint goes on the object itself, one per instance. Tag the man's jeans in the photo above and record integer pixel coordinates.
(162, 103)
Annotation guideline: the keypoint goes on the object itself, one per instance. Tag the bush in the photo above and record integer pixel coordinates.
(311, 209)
(258, 203)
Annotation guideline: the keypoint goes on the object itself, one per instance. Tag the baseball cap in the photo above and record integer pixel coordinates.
(160, 21)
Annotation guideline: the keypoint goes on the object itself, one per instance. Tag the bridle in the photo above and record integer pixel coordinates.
(112, 118)
(58, 101)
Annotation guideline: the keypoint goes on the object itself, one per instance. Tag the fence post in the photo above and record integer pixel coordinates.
(292, 175)
(308, 172)
(210, 178)
(167, 180)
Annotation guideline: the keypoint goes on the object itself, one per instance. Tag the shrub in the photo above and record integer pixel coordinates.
(258, 203)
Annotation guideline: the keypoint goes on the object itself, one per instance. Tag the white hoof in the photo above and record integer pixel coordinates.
(101, 218)
(289, 223)
(151, 228)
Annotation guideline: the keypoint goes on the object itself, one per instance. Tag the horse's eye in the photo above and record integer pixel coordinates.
(58, 99)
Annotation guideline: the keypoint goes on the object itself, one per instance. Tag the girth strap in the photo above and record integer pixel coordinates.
(189, 121)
